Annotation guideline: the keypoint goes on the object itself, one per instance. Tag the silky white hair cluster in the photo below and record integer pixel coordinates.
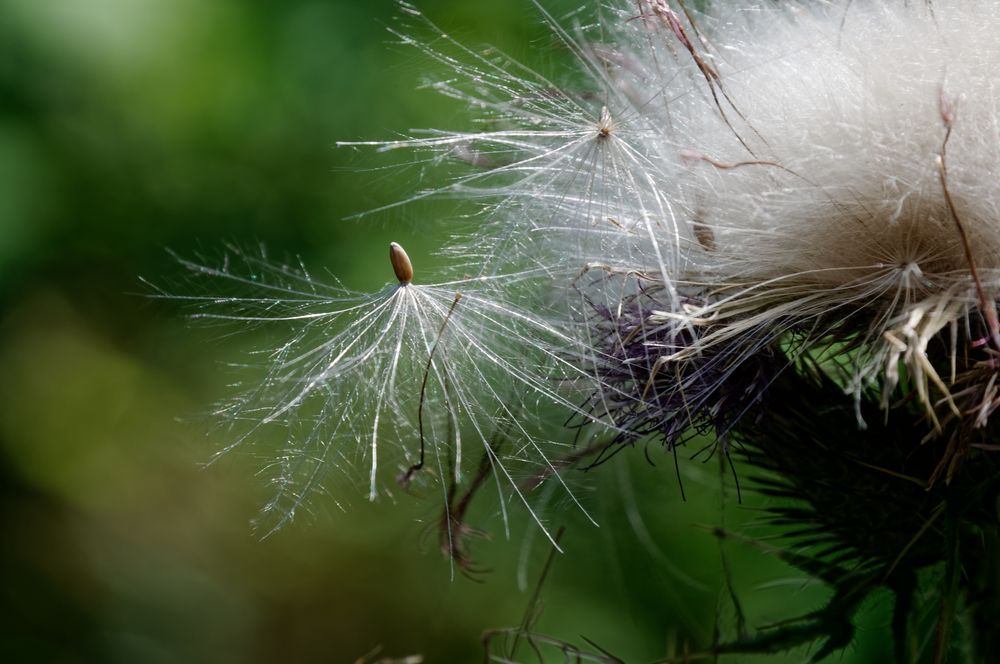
(711, 191)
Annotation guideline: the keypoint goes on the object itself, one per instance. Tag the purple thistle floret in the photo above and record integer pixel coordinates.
(658, 382)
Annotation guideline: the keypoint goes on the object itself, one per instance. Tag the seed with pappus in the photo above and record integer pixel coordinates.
(417, 376)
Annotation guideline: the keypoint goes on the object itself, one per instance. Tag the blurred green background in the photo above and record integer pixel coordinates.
(131, 126)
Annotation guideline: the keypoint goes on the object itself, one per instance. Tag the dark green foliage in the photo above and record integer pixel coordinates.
(859, 510)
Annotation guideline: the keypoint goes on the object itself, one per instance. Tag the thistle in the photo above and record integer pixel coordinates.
(771, 230)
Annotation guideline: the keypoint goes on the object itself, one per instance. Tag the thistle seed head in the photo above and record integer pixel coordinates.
(790, 263)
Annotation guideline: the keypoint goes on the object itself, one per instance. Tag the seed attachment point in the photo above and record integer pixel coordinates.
(401, 264)
(604, 124)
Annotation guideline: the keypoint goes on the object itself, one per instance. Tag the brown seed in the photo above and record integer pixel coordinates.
(704, 234)
(401, 264)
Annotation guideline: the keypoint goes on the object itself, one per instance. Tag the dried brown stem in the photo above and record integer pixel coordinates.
(673, 22)
(986, 305)
(408, 475)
